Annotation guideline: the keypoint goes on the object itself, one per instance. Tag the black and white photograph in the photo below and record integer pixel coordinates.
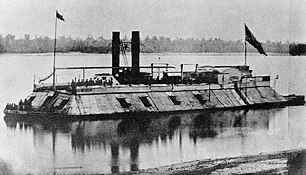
(149, 87)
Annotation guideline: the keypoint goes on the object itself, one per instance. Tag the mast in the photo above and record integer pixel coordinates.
(245, 54)
(54, 51)
(245, 49)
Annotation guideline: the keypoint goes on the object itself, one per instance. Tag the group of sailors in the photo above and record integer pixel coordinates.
(91, 82)
(22, 105)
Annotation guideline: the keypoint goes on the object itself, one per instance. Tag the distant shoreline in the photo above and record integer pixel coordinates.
(65, 44)
(128, 53)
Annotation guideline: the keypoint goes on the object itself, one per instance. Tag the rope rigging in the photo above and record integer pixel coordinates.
(125, 47)
(151, 50)
(60, 75)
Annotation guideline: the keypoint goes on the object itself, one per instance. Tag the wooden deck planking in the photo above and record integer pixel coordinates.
(193, 102)
(219, 97)
(94, 99)
(80, 105)
(209, 101)
(247, 97)
(250, 96)
(162, 101)
(153, 107)
(212, 101)
(216, 99)
(223, 98)
(73, 109)
(231, 97)
(103, 104)
(59, 99)
(86, 104)
(39, 99)
(272, 94)
(253, 94)
(94, 109)
(237, 97)
(266, 97)
(184, 101)
(137, 105)
(114, 104)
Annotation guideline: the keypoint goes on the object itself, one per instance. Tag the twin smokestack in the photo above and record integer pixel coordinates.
(135, 50)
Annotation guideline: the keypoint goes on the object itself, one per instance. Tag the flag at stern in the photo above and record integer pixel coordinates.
(250, 38)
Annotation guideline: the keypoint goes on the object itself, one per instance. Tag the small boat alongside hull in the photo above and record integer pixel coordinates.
(295, 100)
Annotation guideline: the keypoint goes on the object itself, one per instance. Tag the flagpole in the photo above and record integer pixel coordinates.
(245, 53)
(54, 51)
(245, 49)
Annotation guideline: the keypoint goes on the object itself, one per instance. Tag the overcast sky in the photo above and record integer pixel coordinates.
(275, 20)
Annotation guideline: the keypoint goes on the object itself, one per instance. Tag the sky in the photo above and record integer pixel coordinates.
(275, 20)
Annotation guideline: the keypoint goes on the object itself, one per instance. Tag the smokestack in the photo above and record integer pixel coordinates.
(115, 52)
(135, 51)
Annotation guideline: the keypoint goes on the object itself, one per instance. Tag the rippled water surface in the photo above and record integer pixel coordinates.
(62, 147)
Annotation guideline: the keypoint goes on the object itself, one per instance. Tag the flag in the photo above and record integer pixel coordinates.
(249, 37)
(59, 16)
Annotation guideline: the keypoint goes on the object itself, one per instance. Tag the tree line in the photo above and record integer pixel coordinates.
(26, 44)
(9, 44)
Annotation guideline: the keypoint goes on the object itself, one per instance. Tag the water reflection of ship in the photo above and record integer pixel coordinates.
(209, 125)
(128, 133)
(131, 133)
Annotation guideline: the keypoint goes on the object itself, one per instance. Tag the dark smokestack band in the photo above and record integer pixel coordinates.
(135, 51)
(115, 52)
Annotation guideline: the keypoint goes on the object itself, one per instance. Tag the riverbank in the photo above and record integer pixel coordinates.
(157, 54)
(282, 162)
(42, 44)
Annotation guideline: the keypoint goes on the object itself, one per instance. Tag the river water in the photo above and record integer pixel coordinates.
(108, 146)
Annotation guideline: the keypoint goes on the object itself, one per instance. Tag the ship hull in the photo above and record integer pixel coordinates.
(124, 101)
(35, 116)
